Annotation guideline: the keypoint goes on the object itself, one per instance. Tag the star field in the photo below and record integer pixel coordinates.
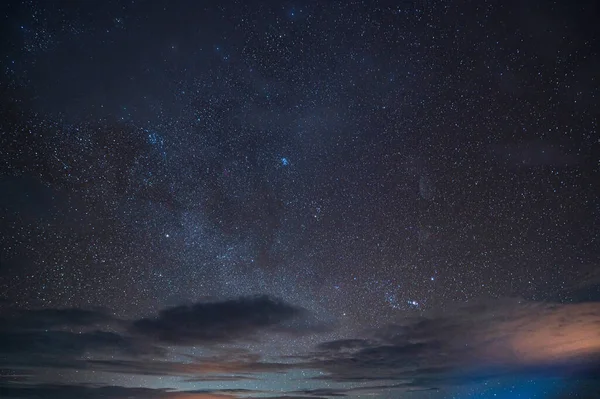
(297, 183)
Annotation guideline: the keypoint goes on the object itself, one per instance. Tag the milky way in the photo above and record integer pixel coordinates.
(299, 199)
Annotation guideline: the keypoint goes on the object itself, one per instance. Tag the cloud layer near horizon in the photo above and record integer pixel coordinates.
(474, 342)
(471, 343)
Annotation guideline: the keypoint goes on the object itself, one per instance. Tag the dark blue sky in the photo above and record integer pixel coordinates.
(197, 190)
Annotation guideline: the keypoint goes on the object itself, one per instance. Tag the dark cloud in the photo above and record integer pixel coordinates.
(49, 391)
(473, 343)
(222, 378)
(344, 344)
(198, 368)
(216, 322)
(364, 390)
(583, 293)
(40, 319)
(64, 344)
(56, 337)
(327, 392)
(7, 375)
(70, 339)
(214, 369)
(293, 397)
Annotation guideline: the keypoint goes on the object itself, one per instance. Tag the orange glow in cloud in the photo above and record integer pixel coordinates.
(541, 333)
(566, 332)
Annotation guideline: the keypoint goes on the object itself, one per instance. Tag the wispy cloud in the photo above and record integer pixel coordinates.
(471, 343)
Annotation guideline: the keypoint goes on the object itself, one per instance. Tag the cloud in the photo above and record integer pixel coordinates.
(344, 344)
(49, 391)
(471, 343)
(361, 390)
(218, 322)
(468, 344)
(289, 397)
(70, 339)
(327, 392)
(64, 344)
(200, 369)
(41, 319)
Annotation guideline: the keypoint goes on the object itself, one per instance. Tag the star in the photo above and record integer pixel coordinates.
(443, 157)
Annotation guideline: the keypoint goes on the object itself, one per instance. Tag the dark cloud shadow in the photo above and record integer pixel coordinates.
(218, 322)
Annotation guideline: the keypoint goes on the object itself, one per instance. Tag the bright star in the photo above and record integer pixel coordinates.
(284, 162)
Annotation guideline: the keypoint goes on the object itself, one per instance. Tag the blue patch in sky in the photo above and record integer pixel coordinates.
(157, 141)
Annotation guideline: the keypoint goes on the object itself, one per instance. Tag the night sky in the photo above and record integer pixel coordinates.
(299, 199)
